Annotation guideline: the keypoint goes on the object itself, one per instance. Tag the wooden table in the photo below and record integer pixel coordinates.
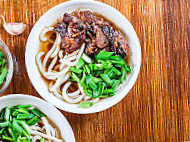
(157, 108)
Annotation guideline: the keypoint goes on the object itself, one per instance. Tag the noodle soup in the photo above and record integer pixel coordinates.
(83, 58)
(26, 123)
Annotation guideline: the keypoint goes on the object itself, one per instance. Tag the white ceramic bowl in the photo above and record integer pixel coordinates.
(9, 60)
(51, 112)
(49, 18)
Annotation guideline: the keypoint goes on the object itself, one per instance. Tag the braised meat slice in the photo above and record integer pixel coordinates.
(101, 39)
(97, 33)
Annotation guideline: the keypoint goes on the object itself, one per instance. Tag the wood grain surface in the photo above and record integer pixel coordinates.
(157, 108)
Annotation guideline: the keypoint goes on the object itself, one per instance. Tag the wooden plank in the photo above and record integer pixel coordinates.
(157, 108)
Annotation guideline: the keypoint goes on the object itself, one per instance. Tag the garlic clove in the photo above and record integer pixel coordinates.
(13, 28)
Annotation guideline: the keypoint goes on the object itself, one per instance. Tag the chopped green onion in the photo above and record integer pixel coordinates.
(106, 91)
(106, 78)
(85, 104)
(3, 75)
(24, 106)
(117, 57)
(7, 114)
(4, 124)
(13, 134)
(75, 77)
(23, 116)
(86, 58)
(17, 127)
(38, 112)
(82, 82)
(96, 80)
(33, 121)
(42, 140)
(93, 85)
(80, 63)
(123, 76)
(73, 69)
(103, 55)
(115, 84)
(7, 138)
(116, 71)
(87, 69)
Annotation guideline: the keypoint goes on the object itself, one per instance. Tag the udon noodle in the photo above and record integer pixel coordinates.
(57, 72)
(74, 36)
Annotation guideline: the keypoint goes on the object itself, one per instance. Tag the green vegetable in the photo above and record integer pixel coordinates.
(103, 55)
(115, 84)
(8, 138)
(12, 133)
(87, 69)
(42, 140)
(124, 73)
(75, 77)
(85, 104)
(32, 121)
(86, 58)
(93, 85)
(15, 121)
(24, 106)
(3, 68)
(73, 69)
(82, 82)
(23, 116)
(17, 127)
(80, 63)
(38, 112)
(106, 78)
(107, 91)
(4, 124)
(7, 114)
(99, 77)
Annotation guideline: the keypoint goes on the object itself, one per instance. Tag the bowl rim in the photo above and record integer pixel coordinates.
(10, 68)
(132, 80)
(35, 100)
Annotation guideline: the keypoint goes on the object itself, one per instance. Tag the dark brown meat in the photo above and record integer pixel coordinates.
(97, 33)
(72, 44)
(101, 39)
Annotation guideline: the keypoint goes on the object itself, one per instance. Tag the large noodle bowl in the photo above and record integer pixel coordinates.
(82, 35)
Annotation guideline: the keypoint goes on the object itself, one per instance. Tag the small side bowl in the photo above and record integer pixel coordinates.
(51, 112)
(9, 60)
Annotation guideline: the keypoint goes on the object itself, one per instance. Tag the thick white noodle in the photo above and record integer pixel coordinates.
(60, 54)
(69, 63)
(43, 32)
(52, 130)
(54, 50)
(35, 138)
(74, 93)
(46, 136)
(47, 128)
(52, 64)
(65, 96)
(59, 81)
(39, 63)
(46, 131)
